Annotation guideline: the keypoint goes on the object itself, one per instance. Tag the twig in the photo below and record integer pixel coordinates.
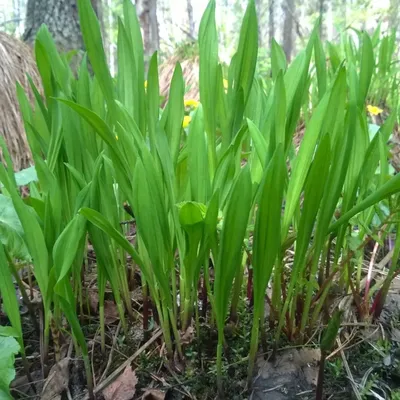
(347, 368)
(101, 386)
(92, 355)
(356, 343)
(10, 21)
(114, 343)
(187, 393)
(129, 221)
(272, 389)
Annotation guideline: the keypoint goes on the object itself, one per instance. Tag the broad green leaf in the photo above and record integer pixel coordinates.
(9, 295)
(197, 159)
(267, 226)
(175, 109)
(320, 64)
(366, 68)
(278, 59)
(11, 231)
(232, 236)
(35, 240)
(153, 101)
(133, 29)
(9, 347)
(331, 332)
(208, 65)
(91, 33)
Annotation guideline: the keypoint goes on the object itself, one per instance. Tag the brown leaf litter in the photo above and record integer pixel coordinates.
(123, 388)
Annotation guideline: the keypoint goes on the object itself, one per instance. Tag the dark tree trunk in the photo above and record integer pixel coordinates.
(190, 18)
(394, 14)
(271, 20)
(61, 18)
(147, 11)
(322, 11)
(288, 29)
(259, 9)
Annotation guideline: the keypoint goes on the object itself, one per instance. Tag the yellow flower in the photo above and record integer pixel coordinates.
(374, 110)
(145, 84)
(186, 121)
(116, 137)
(191, 103)
(226, 85)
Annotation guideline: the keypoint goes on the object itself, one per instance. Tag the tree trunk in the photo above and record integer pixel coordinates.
(288, 28)
(62, 20)
(394, 10)
(259, 9)
(191, 19)
(271, 20)
(322, 11)
(147, 11)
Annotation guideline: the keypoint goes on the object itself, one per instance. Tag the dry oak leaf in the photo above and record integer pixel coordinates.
(110, 312)
(123, 388)
(153, 394)
(57, 381)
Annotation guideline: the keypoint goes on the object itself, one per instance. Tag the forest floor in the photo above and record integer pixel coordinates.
(365, 361)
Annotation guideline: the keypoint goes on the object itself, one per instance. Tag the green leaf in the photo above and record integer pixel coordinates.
(66, 247)
(267, 226)
(133, 29)
(198, 165)
(191, 213)
(9, 295)
(11, 231)
(91, 33)
(331, 332)
(278, 59)
(208, 72)
(366, 68)
(153, 100)
(232, 236)
(320, 63)
(9, 347)
(175, 109)
(35, 240)
(98, 220)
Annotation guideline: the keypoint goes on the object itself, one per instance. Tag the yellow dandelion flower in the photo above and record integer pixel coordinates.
(116, 137)
(145, 84)
(191, 103)
(374, 110)
(226, 84)
(186, 121)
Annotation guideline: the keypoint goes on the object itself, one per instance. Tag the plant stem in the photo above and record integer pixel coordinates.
(253, 347)
(237, 290)
(219, 363)
(164, 321)
(102, 329)
(145, 310)
(14, 272)
(320, 384)
(176, 333)
(89, 377)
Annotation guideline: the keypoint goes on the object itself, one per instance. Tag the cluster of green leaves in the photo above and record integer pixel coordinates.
(230, 186)
(384, 64)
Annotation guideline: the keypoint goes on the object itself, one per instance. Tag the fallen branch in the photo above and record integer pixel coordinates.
(101, 386)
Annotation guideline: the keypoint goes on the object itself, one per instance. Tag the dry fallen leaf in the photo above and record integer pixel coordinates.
(188, 336)
(153, 394)
(395, 335)
(123, 388)
(57, 381)
(93, 298)
(110, 312)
